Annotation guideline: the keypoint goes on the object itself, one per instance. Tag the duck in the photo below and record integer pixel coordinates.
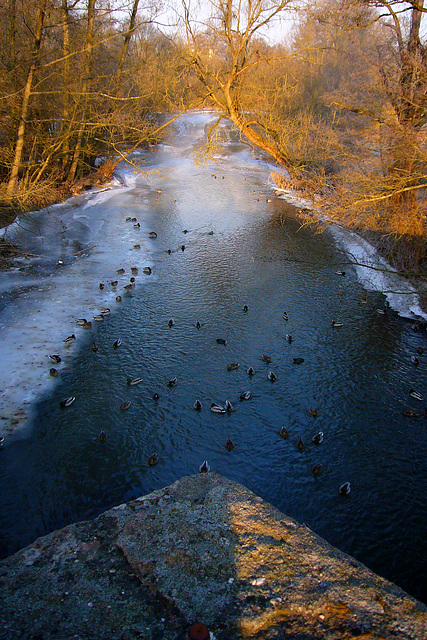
(94, 347)
(409, 413)
(169, 251)
(300, 444)
(318, 438)
(132, 280)
(136, 246)
(87, 325)
(120, 271)
(334, 323)
(171, 323)
(233, 366)
(133, 220)
(210, 233)
(101, 286)
(245, 308)
(134, 270)
(251, 371)
(285, 316)
(153, 459)
(172, 382)
(56, 359)
(298, 360)
(204, 467)
(415, 360)
(415, 394)
(197, 405)
(114, 283)
(128, 219)
(53, 372)
(156, 396)
(69, 339)
(344, 489)
(185, 231)
(316, 470)
(67, 401)
(216, 408)
(131, 382)
(272, 376)
(229, 445)
(221, 341)
(245, 395)
(137, 225)
(198, 325)
(117, 343)
(99, 318)
(118, 298)
(105, 311)
(312, 411)
(228, 406)
(125, 405)
(288, 338)
(81, 322)
(284, 433)
(340, 273)
(158, 191)
(183, 247)
(128, 287)
(266, 358)
(147, 271)
(102, 436)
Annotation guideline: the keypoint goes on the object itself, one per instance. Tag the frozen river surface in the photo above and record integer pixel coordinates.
(224, 241)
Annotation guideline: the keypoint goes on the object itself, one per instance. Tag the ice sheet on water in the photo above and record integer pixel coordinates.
(375, 274)
(74, 249)
(293, 198)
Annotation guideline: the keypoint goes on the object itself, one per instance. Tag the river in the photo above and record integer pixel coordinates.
(230, 261)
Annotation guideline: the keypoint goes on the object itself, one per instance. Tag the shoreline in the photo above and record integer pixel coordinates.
(369, 253)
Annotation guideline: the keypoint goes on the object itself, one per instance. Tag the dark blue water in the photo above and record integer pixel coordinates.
(356, 376)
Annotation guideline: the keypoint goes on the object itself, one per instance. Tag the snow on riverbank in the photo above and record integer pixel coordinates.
(373, 272)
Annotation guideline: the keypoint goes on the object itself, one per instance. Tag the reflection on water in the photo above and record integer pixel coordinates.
(357, 376)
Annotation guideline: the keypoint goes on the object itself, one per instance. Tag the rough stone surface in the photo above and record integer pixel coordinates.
(203, 549)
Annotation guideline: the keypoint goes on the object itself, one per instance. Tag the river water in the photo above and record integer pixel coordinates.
(224, 240)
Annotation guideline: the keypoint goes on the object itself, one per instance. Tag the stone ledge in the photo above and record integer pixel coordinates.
(203, 549)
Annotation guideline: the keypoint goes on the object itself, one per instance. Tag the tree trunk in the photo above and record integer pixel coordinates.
(410, 108)
(20, 140)
(66, 111)
(258, 139)
(85, 87)
(126, 41)
(12, 13)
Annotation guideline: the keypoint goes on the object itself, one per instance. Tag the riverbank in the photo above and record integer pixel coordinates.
(364, 250)
(204, 549)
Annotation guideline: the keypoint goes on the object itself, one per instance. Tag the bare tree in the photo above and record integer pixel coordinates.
(11, 187)
(381, 101)
(85, 85)
(223, 53)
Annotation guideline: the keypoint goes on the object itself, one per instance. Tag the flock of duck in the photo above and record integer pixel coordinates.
(104, 311)
(227, 407)
(215, 408)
